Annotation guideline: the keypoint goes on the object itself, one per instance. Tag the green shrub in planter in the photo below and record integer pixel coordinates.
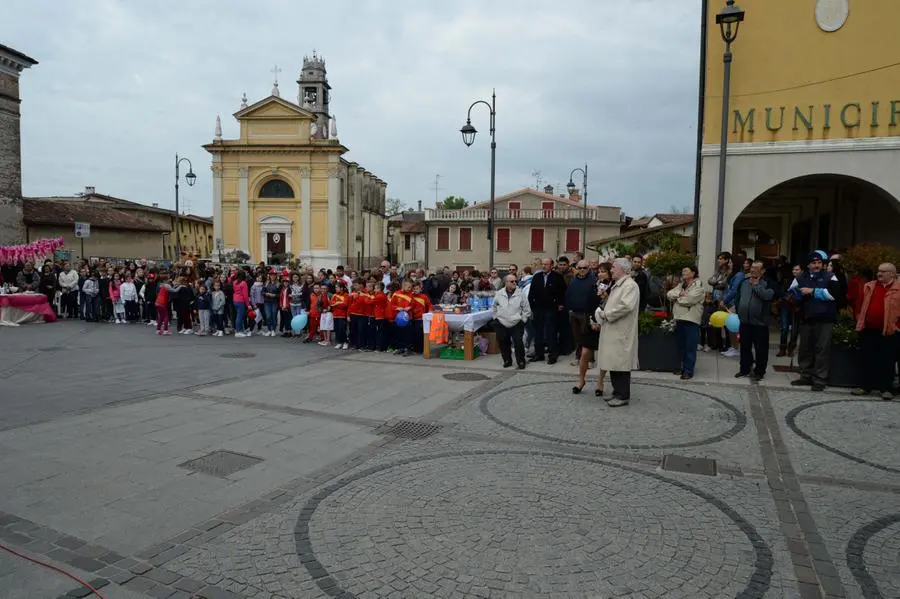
(657, 349)
(843, 363)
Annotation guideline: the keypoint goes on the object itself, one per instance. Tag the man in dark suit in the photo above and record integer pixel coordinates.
(547, 297)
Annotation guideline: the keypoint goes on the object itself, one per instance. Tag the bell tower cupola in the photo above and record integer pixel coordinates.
(315, 93)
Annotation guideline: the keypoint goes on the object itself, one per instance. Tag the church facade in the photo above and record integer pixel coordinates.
(282, 190)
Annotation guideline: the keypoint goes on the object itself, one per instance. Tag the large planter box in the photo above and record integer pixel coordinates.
(843, 367)
(658, 352)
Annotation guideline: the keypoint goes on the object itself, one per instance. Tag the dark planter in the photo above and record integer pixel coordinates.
(658, 352)
(844, 367)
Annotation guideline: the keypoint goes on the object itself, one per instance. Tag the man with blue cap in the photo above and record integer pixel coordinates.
(817, 291)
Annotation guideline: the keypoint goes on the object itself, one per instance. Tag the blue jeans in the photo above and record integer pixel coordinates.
(687, 335)
(271, 311)
(239, 317)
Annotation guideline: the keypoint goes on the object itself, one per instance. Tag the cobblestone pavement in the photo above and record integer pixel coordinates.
(516, 488)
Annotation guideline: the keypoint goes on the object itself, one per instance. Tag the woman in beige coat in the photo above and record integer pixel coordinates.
(617, 352)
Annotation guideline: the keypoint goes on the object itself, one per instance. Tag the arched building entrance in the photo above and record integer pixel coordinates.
(791, 197)
(815, 212)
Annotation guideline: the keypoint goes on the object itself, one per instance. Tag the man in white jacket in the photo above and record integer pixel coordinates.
(511, 311)
(68, 285)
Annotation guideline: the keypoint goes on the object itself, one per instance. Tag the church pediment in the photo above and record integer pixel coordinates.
(273, 107)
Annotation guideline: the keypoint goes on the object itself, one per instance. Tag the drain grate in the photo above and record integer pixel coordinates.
(238, 354)
(408, 429)
(466, 376)
(680, 463)
(221, 463)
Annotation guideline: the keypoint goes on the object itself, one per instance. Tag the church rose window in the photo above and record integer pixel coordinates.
(276, 188)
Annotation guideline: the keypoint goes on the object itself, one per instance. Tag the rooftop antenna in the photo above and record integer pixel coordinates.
(538, 179)
(436, 188)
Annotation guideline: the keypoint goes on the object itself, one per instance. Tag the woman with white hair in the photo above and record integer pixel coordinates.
(617, 352)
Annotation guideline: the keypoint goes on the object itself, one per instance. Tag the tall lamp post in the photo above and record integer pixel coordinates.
(728, 20)
(468, 135)
(191, 178)
(571, 187)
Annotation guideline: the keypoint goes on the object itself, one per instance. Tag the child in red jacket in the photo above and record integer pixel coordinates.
(420, 305)
(340, 305)
(379, 311)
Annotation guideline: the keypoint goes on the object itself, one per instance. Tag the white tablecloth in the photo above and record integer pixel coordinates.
(13, 317)
(470, 322)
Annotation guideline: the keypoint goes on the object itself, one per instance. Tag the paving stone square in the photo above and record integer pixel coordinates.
(524, 491)
(841, 436)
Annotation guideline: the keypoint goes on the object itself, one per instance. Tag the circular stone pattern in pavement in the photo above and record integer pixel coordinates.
(659, 417)
(872, 557)
(513, 524)
(837, 423)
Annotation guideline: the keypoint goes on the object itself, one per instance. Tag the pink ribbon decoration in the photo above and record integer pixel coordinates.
(29, 252)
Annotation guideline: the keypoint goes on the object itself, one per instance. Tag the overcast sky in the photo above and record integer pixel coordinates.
(124, 85)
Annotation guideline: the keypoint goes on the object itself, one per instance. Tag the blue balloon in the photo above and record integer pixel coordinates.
(733, 323)
(402, 319)
(298, 323)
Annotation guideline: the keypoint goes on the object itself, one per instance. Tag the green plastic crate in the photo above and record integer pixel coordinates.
(456, 353)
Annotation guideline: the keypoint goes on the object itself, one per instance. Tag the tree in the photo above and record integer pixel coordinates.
(394, 206)
(455, 202)
(683, 210)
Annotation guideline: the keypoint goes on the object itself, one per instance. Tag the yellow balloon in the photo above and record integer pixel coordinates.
(717, 319)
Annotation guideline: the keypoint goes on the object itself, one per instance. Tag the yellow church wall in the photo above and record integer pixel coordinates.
(830, 85)
(319, 186)
(229, 227)
(319, 229)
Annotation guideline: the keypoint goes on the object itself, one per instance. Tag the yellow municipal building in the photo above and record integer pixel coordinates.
(282, 190)
(813, 137)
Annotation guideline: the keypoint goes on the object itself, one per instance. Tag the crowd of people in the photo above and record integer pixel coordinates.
(583, 307)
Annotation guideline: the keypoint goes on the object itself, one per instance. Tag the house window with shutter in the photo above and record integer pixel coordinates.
(573, 240)
(514, 208)
(443, 238)
(537, 240)
(465, 239)
(547, 207)
(407, 241)
(503, 240)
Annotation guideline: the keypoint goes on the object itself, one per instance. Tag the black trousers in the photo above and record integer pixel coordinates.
(621, 384)
(815, 351)
(754, 348)
(509, 338)
(878, 355)
(546, 334)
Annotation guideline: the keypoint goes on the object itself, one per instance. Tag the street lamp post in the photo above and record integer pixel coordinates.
(191, 178)
(468, 135)
(728, 20)
(571, 187)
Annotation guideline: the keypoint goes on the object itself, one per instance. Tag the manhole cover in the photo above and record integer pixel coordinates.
(221, 463)
(465, 376)
(407, 429)
(680, 463)
(238, 354)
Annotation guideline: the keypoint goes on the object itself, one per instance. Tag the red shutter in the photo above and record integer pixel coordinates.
(547, 207)
(514, 208)
(465, 238)
(573, 241)
(537, 240)
(502, 240)
(443, 238)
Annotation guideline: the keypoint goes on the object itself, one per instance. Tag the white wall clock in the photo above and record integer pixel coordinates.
(832, 14)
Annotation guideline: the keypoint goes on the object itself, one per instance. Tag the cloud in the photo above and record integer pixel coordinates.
(123, 86)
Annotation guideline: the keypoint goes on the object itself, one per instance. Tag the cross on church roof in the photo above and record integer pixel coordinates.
(275, 91)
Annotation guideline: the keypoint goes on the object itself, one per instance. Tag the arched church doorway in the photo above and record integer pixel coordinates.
(828, 212)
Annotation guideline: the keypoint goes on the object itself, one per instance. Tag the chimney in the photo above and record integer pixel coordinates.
(420, 206)
(89, 190)
(155, 204)
(548, 189)
(575, 194)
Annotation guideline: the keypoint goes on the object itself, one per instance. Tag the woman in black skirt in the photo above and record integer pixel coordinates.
(590, 339)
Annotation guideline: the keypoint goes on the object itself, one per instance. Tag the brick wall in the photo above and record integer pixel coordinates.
(11, 228)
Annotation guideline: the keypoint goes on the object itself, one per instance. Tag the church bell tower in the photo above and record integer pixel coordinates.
(315, 93)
